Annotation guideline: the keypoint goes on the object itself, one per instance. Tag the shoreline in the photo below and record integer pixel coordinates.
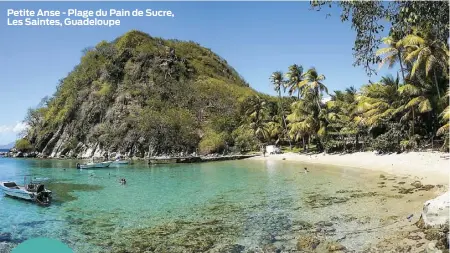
(428, 167)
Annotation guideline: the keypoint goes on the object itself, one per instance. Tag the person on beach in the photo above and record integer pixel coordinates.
(264, 151)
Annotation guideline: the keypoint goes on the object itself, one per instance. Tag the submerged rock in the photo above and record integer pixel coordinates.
(307, 242)
(335, 246)
(416, 184)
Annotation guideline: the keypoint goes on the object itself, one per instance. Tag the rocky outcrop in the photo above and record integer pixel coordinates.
(138, 92)
(435, 212)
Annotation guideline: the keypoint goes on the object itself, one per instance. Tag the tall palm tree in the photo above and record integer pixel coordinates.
(428, 54)
(392, 53)
(302, 122)
(416, 101)
(278, 83)
(377, 104)
(313, 84)
(257, 111)
(294, 78)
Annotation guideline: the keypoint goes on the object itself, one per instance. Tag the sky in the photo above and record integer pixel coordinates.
(256, 38)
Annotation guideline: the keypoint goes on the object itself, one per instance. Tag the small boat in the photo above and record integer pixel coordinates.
(32, 191)
(118, 161)
(40, 180)
(94, 165)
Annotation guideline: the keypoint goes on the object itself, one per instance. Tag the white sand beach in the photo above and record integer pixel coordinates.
(428, 167)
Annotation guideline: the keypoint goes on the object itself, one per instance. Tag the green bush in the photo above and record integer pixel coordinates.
(212, 142)
(23, 145)
(244, 139)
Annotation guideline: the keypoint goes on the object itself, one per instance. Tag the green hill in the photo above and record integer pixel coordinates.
(140, 94)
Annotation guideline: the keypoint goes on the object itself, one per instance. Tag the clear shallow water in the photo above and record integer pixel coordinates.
(197, 207)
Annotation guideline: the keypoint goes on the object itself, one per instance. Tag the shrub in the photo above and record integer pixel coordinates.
(23, 145)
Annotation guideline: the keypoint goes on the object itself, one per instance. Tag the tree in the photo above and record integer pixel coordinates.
(368, 19)
(278, 83)
(23, 145)
(256, 110)
(392, 53)
(294, 78)
(313, 84)
(427, 54)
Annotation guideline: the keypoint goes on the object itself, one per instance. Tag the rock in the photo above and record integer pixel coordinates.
(307, 242)
(235, 248)
(335, 246)
(5, 237)
(416, 184)
(382, 176)
(406, 190)
(431, 248)
(324, 224)
(436, 211)
(270, 248)
(426, 187)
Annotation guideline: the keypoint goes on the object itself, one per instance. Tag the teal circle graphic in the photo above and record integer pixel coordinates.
(42, 245)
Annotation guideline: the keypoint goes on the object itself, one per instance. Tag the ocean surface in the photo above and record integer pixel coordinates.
(203, 207)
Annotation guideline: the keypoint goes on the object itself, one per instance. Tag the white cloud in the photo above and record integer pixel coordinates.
(17, 128)
(9, 133)
(326, 99)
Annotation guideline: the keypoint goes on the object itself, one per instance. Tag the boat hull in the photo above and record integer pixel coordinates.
(18, 193)
(121, 162)
(95, 165)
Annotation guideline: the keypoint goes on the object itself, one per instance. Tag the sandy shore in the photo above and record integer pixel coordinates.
(429, 167)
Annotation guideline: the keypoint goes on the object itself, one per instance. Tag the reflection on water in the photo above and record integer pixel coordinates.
(196, 207)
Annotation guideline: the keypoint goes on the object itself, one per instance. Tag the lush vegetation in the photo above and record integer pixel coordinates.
(388, 116)
(141, 94)
(150, 96)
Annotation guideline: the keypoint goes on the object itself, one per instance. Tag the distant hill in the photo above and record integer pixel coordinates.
(138, 95)
(7, 146)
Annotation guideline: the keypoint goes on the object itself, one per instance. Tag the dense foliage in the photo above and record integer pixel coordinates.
(388, 116)
(141, 94)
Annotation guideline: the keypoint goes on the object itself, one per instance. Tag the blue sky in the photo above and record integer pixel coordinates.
(256, 38)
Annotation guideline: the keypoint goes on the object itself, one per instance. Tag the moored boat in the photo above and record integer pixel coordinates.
(118, 161)
(94, 165)
(32, 192)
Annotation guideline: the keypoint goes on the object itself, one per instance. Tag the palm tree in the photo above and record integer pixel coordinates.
(256, 111)
(313, 84)
(278, 83)
(416, 101)
(392, 53)
(294, 78)
(377, 103)
(428, 54)
(302, 122)
(445, 115)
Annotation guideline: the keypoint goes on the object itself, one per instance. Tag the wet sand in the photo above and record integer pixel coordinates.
(429, 167)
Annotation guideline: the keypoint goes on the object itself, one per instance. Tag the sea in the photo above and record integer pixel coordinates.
(207, 207)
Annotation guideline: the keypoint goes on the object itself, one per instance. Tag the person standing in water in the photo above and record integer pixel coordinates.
(306, 170)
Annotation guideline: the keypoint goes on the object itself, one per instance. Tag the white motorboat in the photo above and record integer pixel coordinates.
(118, 161)
(94, 165)
(32, 191)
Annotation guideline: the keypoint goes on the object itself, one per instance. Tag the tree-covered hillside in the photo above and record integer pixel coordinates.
(141, 94)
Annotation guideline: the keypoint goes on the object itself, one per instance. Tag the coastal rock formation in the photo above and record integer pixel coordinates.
(436, 211)
(140, 96)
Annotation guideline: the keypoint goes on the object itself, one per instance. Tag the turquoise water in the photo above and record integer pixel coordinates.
(185, 208)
